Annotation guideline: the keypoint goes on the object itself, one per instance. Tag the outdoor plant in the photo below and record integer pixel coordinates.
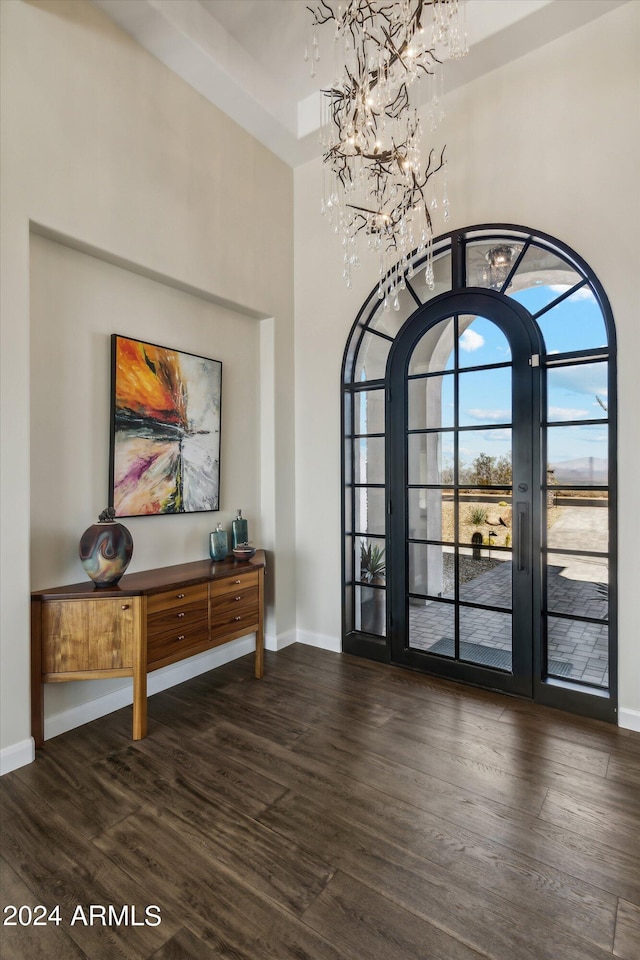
(477, 516)
(372, 563)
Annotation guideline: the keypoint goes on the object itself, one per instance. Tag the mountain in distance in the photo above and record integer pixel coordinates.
(581, 470)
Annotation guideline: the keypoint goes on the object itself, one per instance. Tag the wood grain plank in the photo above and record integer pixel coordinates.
(591, 733)
(186, 946)
(311, 701)
(340, 671)
(61, 867)
(463, 884)
(246, 796)
(587, 859)
(625, 770)
(627, 940)
(390, 742)
(365, 924)
(248, 709)
(78, 794)
(493, 736)
(598, 821)
(191, 775)
(227, 914)
(401, 767)
(31, 942)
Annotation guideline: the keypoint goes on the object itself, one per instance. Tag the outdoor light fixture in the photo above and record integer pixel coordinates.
(377, 182)
(500, 261)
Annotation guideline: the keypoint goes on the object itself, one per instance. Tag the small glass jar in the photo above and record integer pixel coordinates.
(218, 543)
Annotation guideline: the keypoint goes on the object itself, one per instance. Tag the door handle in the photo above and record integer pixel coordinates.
(522, 513)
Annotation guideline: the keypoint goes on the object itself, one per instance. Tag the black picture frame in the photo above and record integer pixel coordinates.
(166, 407)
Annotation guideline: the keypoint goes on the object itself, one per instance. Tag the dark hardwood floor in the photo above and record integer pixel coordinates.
(336, 810)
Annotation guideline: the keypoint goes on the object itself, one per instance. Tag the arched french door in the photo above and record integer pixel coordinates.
(461, 577)
(479, 473)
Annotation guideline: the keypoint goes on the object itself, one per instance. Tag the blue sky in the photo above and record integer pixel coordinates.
(485, 396)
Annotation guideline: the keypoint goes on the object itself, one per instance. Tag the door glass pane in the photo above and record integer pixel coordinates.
(431, 514)
(578, 520)
(391, 321)
(370, 560)
(434, 350)
(575, 324)
(432, 626)
(430, 458)
(490, 261)
(541, 278)
(481, 342)
(348, 559)
(485, 458)
(577, 650)
(370, 610)
(485, 637)
(430, 401)
(441, 277)
(368, 455)
(371, 362)
(370, 504)
(579, 455)
(577, 391)
(348, 509)
(485, 577)
(577, 585)
(485, 520)
(485, 397)
(431, 570)
(368, 407)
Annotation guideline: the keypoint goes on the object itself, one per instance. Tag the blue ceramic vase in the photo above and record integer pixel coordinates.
(106, 548)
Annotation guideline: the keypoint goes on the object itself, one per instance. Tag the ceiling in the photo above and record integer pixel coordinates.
(246, 56)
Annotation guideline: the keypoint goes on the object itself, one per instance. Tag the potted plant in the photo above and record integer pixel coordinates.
(372, 599)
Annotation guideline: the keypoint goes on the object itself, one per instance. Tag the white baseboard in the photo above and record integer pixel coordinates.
(158, 680)
(321, 640)
(17, 755)
(629, 719)
(280, 641)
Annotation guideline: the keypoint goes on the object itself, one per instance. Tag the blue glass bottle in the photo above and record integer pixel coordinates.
(239, 533)
(218, 543)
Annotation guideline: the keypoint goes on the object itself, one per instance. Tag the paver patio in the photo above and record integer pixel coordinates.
(576, 586)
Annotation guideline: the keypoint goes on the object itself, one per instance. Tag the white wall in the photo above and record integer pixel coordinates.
(105, 146)
(77, 301)
(550, 141)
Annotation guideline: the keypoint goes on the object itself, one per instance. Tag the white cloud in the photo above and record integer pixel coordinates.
(567, 413)
(489, 416)
(470, 341)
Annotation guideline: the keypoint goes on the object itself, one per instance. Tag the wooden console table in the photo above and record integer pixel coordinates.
(148, 620)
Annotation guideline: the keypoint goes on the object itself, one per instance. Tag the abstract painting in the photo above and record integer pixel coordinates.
(165, 430)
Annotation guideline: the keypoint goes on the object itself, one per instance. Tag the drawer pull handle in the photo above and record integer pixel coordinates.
(237, 581)
(181, 637)
(237, 598)
(180, 596)
(179, 615)
(237, 618)
(125, 606)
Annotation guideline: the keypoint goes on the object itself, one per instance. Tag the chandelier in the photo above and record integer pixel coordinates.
(377, 182)
(500, 261)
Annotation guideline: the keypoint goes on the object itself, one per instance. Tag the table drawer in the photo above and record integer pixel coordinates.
(234, 585)
(229, 614)
(178, 597)
(178, 621)
(176, 645)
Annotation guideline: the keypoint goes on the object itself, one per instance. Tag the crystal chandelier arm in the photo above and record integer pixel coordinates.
(372, 138)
